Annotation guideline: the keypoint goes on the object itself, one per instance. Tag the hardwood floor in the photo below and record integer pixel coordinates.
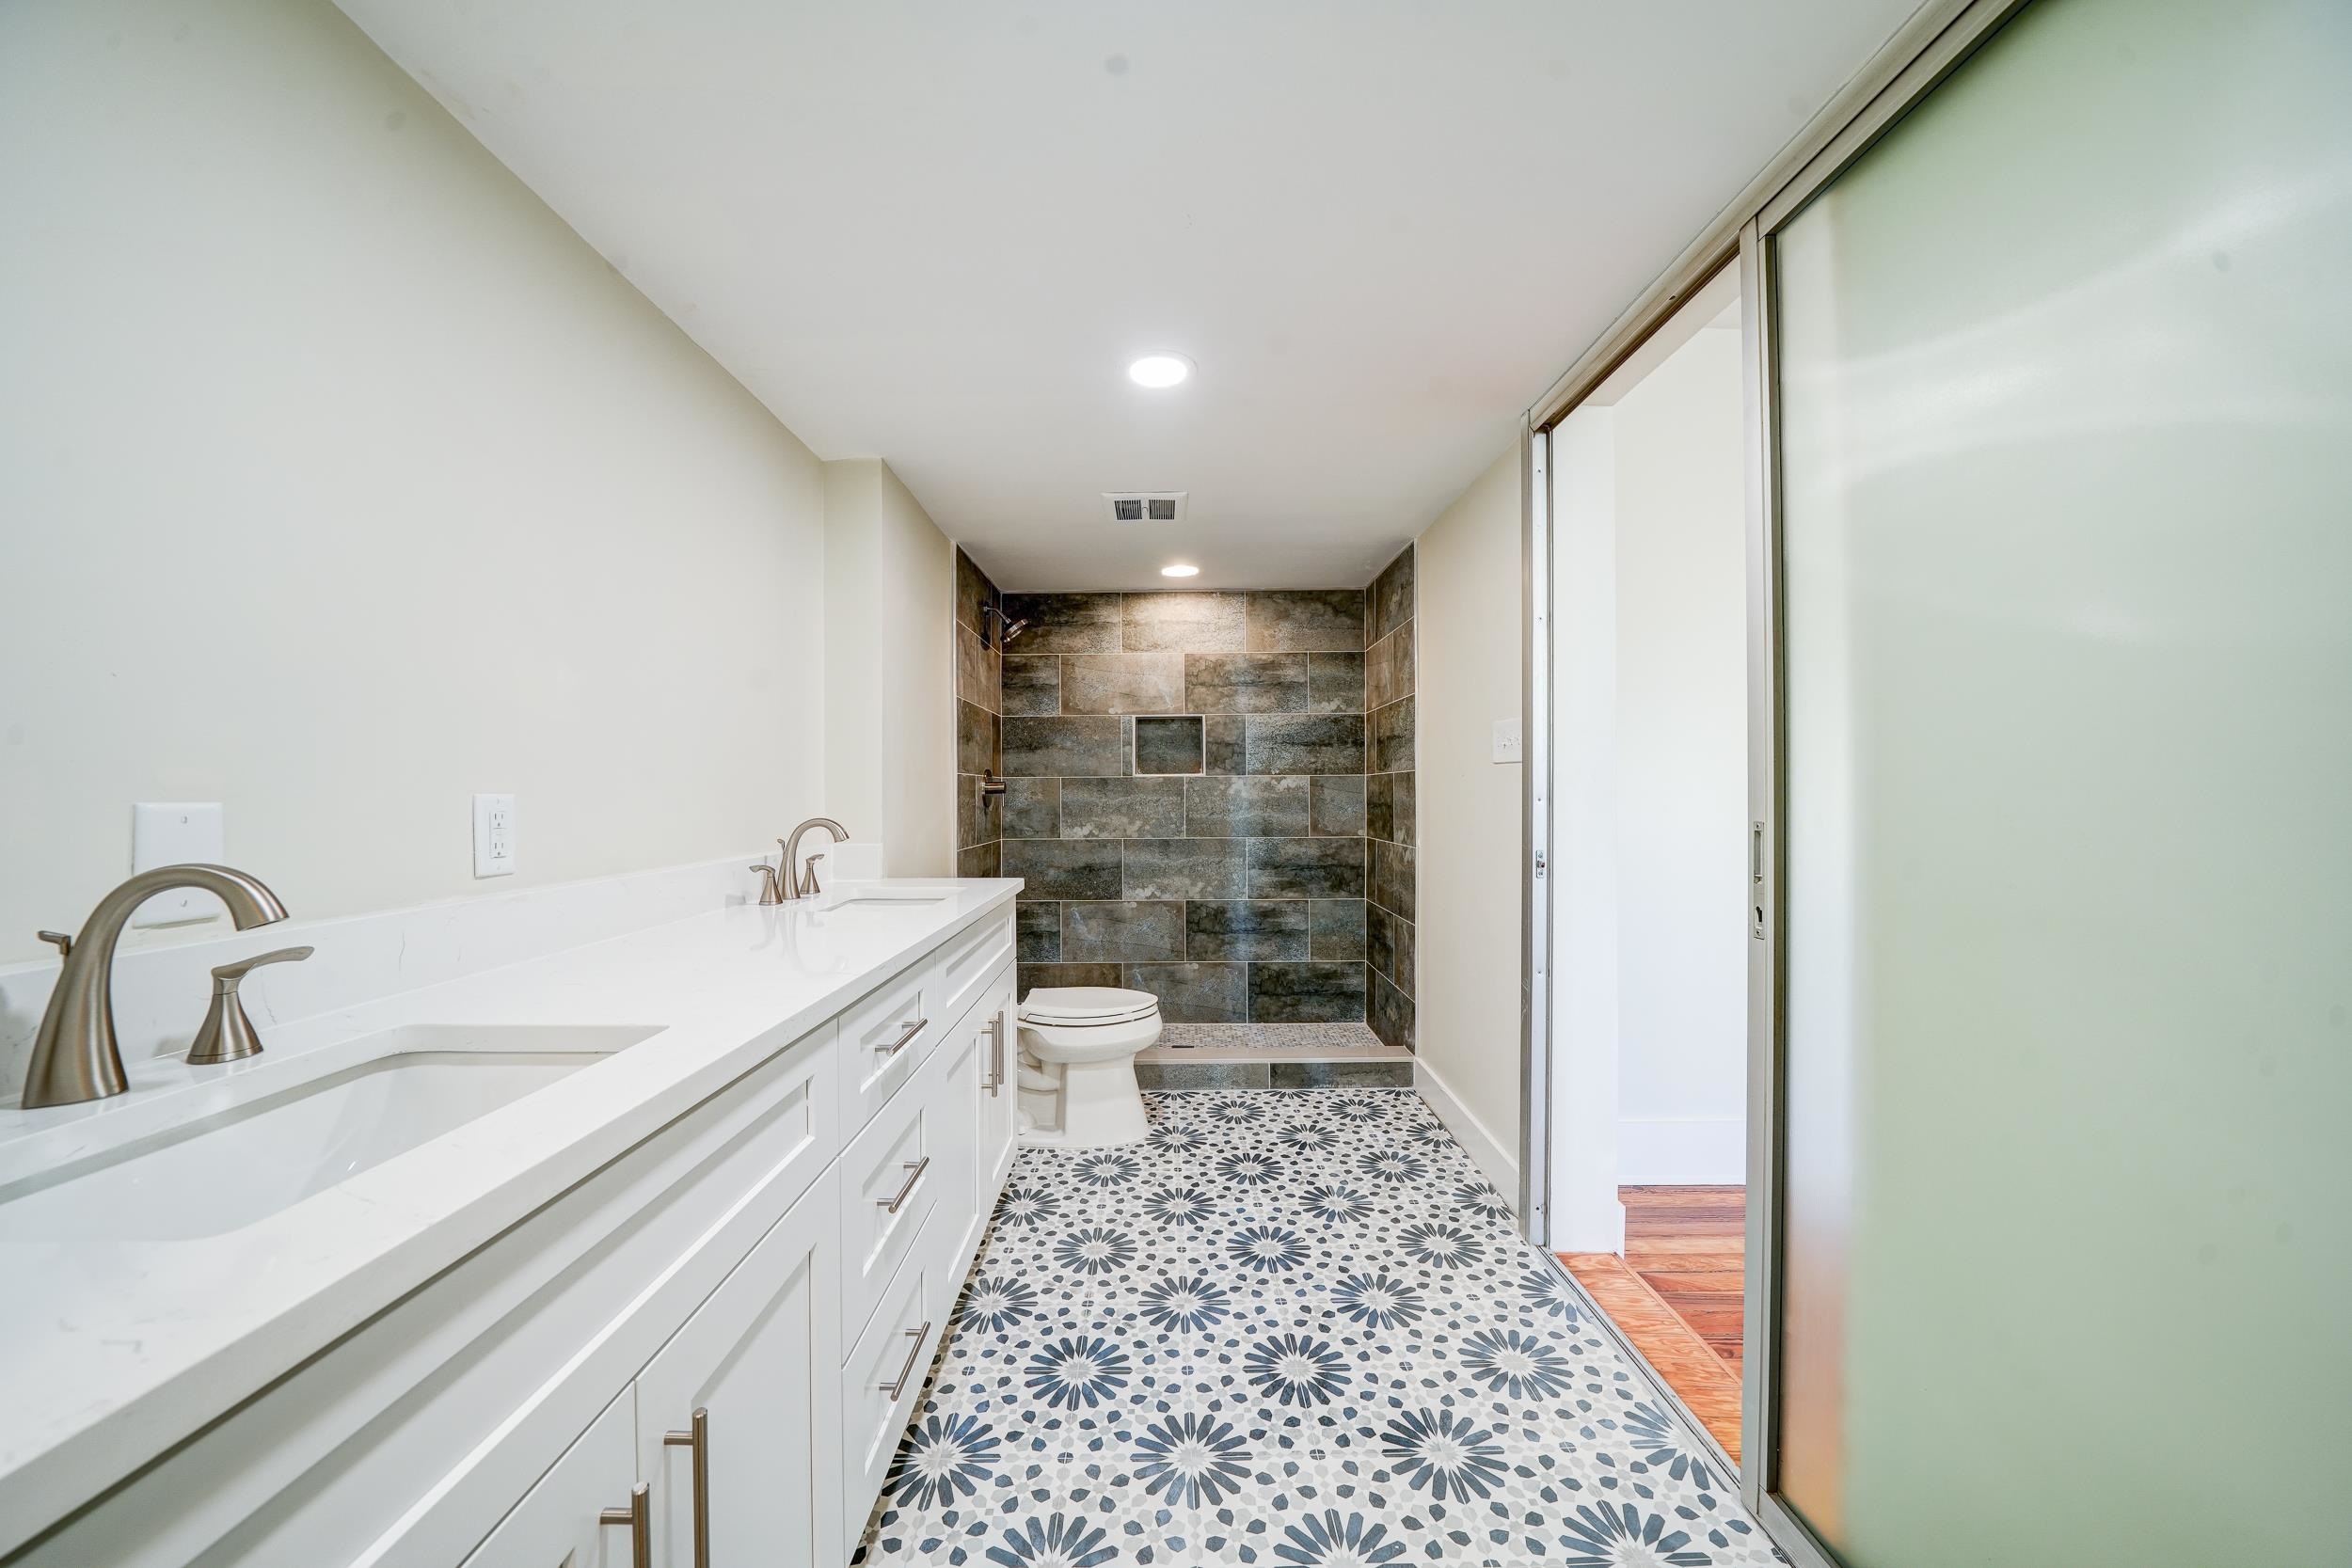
(1677, 1293)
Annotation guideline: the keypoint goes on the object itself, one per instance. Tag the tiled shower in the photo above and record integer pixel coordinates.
(1209, 794)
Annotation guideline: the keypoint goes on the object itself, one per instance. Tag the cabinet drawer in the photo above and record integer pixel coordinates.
(890, 1178)
(885, 1035)
(559, 1519)
(884, 1380)
(967, 961)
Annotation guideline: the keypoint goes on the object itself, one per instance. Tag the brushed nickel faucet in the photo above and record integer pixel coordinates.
(75, 1056)
(803, 884)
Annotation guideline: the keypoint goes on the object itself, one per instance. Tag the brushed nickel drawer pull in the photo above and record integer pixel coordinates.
(901, 1043)
(897, 1384)
(915, 1173)
(638, 1517)
(996, 1055)
(698, 1439)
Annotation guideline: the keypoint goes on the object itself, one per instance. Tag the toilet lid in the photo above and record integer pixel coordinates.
(1087, 1005)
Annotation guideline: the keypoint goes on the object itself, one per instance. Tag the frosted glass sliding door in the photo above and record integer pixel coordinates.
(2064, 393)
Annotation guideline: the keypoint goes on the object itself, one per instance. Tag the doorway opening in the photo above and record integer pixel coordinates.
(1650, 723)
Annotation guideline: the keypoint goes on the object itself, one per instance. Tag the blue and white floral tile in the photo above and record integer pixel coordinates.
(1288, 1329)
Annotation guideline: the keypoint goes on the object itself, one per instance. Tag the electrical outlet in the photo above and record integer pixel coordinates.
(1506, 741)
(493, 835)
(176, 832)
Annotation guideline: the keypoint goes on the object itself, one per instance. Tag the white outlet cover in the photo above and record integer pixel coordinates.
(178, 833)
(1506, 741)
(493, 835)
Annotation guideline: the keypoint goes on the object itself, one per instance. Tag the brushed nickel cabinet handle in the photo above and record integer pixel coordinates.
(915, 1173)
(698, 1438)
(638, 1517)
(996, 1055)
(897, 1385)
(901, 1043)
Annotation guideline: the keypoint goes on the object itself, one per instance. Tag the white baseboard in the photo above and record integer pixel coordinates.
(1674, 1151)
(1497, 1159)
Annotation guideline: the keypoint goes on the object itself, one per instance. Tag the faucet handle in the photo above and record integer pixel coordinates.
(771, 891)
(238, 970)
(61, 941)
(228, 1033)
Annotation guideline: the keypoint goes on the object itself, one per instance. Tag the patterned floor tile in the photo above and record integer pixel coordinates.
(1289, 1330)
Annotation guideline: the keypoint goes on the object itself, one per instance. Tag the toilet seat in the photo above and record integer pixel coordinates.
(1085, 1006)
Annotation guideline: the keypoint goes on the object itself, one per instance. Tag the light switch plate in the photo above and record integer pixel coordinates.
(1506, 741)
(176, 832)
(493, 835)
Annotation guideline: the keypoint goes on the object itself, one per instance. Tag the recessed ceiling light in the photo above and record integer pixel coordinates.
(1159, 369)
(1180, 571)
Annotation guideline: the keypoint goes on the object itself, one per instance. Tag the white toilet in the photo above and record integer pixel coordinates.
(1078, 1046)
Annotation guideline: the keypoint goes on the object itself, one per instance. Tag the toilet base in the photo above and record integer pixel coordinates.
(1101, 1106)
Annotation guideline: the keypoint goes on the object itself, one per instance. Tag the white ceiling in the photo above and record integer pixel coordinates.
(937, 233)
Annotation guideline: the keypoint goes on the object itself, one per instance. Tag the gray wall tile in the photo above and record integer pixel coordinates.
(1187, 868)
(1037, 932)
(1246, 683)
(981, 859)
(1392, 596)
(1389, 668)
(1335, 683)
(973, 590)
(1027, 977)
(1085, 745)
(1390, 880)
(1064, 623)
(975, 670)
(1196, 993)
(1123, 683)
(1389, 946)
(1032, 808)
(1305, 867)
(1256, 806)
(1125, 931)
(980, 815)
(1336, 929)
(1186, 623)
(1306, 992)
(1030, 687)
(1123, 808)
(1169, 745)
(1390, 1075)
(1064, 867)
(1389, 807)
(1306, 743)
(1228, 743)
(1392, 739)
(1304, 620)
(977, 738)
(1258, 930)
(1390, 1012)
(1338, 806)
(1180, 1077)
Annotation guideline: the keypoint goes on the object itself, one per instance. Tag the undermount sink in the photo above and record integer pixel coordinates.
(231, 1167)
(884, 897)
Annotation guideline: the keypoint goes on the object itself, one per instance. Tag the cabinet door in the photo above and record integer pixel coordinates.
(958, 1085)
(1000, 1088)
(555, 1525)
(761, 1359)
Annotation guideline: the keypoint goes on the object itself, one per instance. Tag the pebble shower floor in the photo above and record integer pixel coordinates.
(1294, 1329)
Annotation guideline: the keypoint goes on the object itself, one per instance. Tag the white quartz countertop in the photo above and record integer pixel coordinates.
(111, 1351)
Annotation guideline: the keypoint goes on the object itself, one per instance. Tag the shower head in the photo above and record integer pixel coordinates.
(1012, 629)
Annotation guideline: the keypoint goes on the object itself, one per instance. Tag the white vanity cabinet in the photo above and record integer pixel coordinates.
(743, 1262)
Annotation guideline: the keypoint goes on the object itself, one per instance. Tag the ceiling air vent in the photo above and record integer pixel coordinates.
(1146, 506)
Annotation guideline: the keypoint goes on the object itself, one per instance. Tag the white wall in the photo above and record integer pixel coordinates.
(1681, 762)
(1469, 858)
(338, 479)
(890, 721)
